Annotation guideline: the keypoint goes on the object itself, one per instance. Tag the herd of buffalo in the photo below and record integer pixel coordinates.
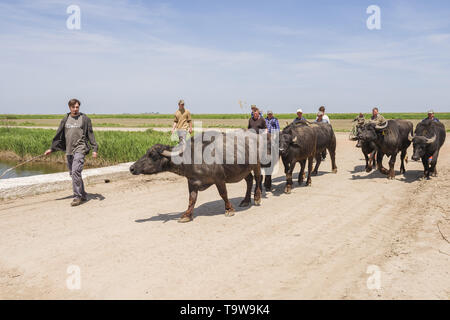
(299, 142)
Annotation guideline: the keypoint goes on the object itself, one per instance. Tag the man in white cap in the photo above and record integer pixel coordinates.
(300, 116)
(431, 116)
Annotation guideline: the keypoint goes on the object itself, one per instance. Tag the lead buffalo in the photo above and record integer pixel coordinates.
(205, 173)
(428, 139)
(298, 143)
(389, 139)
(368, 149)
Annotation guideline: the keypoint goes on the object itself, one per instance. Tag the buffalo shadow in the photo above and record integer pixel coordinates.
(408, 177)
(208, 209)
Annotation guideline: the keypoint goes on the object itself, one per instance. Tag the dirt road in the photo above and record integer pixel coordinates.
(317, 242)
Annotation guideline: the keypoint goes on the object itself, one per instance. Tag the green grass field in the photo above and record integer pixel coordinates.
(445, 115)
(114, 146)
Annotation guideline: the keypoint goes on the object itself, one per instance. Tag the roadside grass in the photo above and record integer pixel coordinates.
(114, 146)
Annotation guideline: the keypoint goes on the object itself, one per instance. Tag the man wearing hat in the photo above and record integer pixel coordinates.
(431, 116)
(300, 116)
(272, 122)
(182, 122)
(254, 109)
(320, 118)
(325, 117)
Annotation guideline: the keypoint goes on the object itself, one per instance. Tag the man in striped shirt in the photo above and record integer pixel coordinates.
(272, 122)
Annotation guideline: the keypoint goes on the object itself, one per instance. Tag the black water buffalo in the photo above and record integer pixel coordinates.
(298, 143)
(207, 172)
(368, 149)
(389, 139)
(326, 140)
(428, 139)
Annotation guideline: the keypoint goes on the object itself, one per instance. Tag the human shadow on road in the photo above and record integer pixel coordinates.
(90, 196)
(212, 208)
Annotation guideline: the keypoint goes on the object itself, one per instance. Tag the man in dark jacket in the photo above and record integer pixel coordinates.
(73, 137)
(257, 122)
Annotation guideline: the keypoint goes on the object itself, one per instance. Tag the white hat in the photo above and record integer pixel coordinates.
(299, 110)
(431, 111)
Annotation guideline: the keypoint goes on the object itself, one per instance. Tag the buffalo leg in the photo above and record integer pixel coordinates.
(310, 164)
(402, 158)
(222, 188)
(366, 156)
(268, 182)
(258, 186)
(289, 182)
(391, 175)
(193, 192)
(318, 161)
(380, 163)
(332, 152)
(248, 193)
(426, 171)
(433, 163)
(301, 174)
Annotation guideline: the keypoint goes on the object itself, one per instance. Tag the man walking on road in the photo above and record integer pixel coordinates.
(182, 122)
(74, 136)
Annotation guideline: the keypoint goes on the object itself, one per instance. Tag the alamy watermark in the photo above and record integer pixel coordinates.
(73, 281)
(73, 22)
(374, 280)
(374, 20)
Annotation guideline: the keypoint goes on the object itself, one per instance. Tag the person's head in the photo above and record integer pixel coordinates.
(322, 109)
(255, 114)
(269, 114)
(299, 113)
(319, 115)
(375, 111)
(361, 115)
(74, 107)
(430, 114)
(181, 104)
(253, 107)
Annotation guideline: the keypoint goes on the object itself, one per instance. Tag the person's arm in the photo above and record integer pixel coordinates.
(189, 121)
(91, 138)
(175, 121)
(57, 139)
(249, 126)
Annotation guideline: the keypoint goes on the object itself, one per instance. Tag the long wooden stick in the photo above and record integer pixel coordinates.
(20, 164)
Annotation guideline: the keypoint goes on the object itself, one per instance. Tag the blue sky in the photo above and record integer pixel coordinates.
(142, 56)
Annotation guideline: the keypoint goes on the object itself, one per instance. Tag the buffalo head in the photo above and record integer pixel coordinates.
(155, 160)
(369, 131)
(420, 146)
(286, 138)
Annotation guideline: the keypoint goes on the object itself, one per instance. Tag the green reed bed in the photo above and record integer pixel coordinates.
(114, 146)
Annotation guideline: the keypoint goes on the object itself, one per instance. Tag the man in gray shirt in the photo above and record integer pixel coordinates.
(74, 136)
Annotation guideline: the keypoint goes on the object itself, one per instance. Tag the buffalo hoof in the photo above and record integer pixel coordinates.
(244, 203)
(368, 169)
(391, 177)
(335, 170)
(384, 171)
(308, 184)
(314, 173)
(185, 219)
(229, 212)
(287, 189)
(257, 202)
